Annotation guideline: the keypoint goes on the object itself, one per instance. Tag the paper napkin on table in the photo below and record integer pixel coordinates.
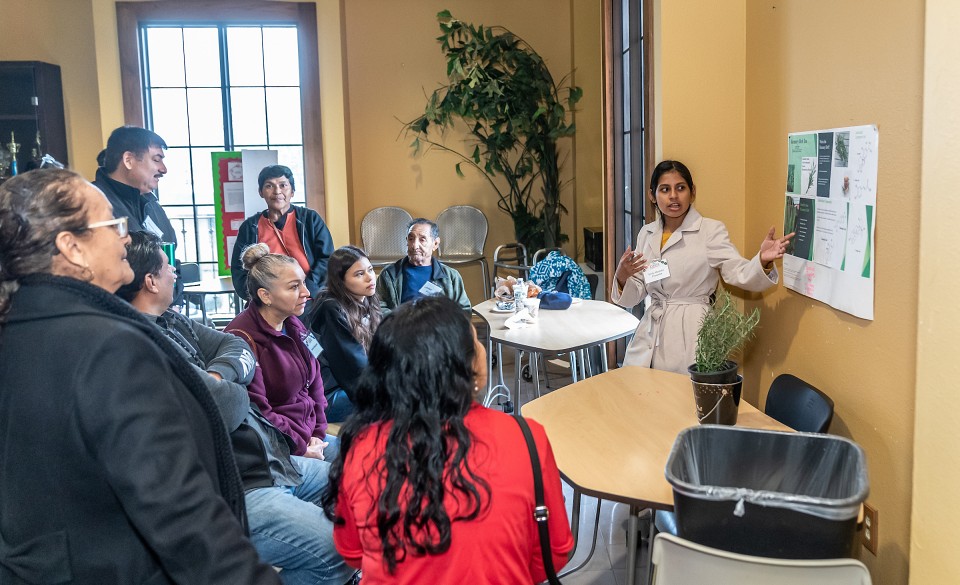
(520, 320)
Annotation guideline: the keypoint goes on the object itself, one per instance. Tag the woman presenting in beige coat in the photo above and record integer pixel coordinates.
(678, 261)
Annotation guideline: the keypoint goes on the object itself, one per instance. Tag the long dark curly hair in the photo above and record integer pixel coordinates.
(420, 381)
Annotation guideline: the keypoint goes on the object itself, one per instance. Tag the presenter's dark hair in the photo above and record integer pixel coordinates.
(667, 166)
(145, 257)
(128, 139)
(275, 172)
(420, 379)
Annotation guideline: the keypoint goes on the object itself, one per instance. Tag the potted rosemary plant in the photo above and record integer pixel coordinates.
(716, 385)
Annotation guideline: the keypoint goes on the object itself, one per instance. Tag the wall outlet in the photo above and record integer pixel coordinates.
(870, 526)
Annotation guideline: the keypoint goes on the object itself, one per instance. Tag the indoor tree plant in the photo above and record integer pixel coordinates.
(723, 332)
(514, 114)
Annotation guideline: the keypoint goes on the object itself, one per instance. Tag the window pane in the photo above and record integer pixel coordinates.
(626, 90)
(280, 57)
(245, 50)
(183, 224)
(292, 156)
(206, 233)
(249, 115)
(175, 187)
(203, 175)
(283, 115)
(165, 56)
(203, 60)
(206, 117)
(169, 108)
(627, 173)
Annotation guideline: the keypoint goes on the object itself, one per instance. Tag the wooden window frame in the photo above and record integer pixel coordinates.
(131, 15)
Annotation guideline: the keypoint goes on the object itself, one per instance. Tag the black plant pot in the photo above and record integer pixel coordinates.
(718, 404)
(728, 375)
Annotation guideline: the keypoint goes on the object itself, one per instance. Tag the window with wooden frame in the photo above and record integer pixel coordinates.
(629, 134)
(210, 76)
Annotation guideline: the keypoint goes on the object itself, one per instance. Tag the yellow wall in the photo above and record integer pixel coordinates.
(701, 67)
(814, 64)
(60, 33)
(936, 473)
(394, 62)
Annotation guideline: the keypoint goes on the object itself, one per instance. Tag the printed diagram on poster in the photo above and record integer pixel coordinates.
(831, 204)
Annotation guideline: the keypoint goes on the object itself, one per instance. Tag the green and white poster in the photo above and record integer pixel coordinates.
(831, 205)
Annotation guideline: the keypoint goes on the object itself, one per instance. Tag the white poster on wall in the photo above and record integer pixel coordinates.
(831, 206)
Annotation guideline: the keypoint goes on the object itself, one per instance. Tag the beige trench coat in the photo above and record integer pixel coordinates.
(697, 255)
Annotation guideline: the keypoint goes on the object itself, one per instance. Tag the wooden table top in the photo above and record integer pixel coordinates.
(582, 325)
(612, 433)
(211, 286)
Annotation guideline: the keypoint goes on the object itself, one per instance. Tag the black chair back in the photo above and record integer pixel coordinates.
(799, 405)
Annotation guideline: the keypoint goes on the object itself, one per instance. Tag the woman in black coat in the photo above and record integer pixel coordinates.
(115, 465)
(344, 318)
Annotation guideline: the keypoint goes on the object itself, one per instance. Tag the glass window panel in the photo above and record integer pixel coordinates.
(165, 56)
(182, 219)
(248, 111)
(283, 115)
(169, 108)
(202, 47)
(626, 90)
(245, 51)
(292, 156)
(625, 23)
(280, 57)
(206, 233)
(175, 187)
(206, 117)
(203, 175)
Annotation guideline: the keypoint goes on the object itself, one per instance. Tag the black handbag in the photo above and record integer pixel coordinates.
(540, 512)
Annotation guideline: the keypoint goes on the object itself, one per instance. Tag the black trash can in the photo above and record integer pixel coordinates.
(767, 493)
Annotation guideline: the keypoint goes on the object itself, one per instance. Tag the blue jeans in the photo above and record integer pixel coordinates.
(289, 530)
(339, 406)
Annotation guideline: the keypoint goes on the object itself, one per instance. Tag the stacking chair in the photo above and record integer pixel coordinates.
(463, 233)
(799, 405)
(680, 562)
(190, 274)
(512, 257)
(384, 234)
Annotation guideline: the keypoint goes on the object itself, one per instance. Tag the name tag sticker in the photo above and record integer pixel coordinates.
(430, 289)
(312, 344)
(151, 226)
(656, 270)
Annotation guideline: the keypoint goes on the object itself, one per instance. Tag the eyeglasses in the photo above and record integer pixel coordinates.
(120, 224)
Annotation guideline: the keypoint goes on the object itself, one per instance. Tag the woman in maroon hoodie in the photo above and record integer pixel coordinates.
(287, 386)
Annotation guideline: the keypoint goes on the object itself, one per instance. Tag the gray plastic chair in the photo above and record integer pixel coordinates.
(384, 234)
(463, 234)
(680, 562)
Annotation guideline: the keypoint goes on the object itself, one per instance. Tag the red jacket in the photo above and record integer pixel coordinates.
(287, 387)
(502, 545)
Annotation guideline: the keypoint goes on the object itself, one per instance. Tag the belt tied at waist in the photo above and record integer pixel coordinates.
(658, 307)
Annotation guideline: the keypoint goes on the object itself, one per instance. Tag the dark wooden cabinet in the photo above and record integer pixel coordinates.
(31, 105)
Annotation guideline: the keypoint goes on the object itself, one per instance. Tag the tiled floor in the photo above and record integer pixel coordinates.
(608, 564)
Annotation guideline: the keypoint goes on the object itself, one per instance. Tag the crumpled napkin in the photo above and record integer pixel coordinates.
(520, 320)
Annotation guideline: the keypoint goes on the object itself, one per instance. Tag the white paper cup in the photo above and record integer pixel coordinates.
(532, 305)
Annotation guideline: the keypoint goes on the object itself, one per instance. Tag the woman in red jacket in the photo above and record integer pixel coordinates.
(430, 486)
(287, 386)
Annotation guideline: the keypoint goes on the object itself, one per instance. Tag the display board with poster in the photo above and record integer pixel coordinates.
(228, 204)
(831, 206)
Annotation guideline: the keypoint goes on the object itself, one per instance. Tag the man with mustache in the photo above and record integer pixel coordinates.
(130, 168)
(419, 274)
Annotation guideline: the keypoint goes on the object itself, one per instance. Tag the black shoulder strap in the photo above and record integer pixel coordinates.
(540, 513)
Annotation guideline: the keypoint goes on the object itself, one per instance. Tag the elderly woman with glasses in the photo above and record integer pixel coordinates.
(115, 465)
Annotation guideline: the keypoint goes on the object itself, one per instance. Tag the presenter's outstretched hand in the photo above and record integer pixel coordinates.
(773, 247)
(630, 264)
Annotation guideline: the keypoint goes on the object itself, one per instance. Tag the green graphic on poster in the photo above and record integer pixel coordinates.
(800, 147)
